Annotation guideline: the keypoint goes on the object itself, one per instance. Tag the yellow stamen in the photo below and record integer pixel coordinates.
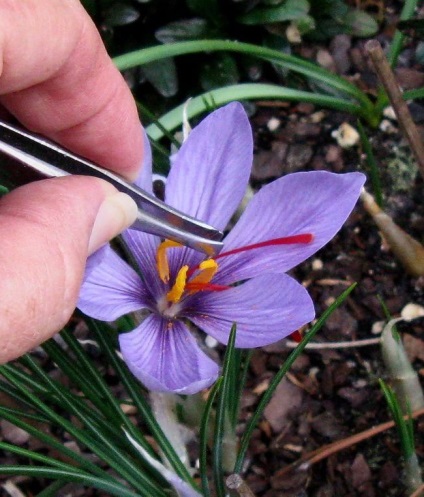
(174, 295)
(162, 260)
(208, 269)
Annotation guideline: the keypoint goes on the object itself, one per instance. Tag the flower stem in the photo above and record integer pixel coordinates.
(164, 409)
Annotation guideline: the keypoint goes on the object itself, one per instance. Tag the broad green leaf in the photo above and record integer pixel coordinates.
(162, 74)
(289, 11)
(296, 64)
(305, 24)
(359, 23)
(219, 70)
(188, 29)
(120, 14)
(209, 9)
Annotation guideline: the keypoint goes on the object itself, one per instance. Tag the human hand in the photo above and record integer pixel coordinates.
(57, 80)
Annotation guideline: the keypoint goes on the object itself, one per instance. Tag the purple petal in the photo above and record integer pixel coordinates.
(210, 172)
(143, 247)
(265, 310)
(313, 202)
(165, 357)
(144, 179)
(111, 288)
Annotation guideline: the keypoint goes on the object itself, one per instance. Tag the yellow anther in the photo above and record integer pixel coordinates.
(162, 261)
(174, 295)
(208, 268)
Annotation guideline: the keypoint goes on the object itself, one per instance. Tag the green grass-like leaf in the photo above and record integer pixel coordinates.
(244, 444)
(374, 173)
(204, 435)
(222, 414)
(249, 91)
(296, 64)
(404, 426)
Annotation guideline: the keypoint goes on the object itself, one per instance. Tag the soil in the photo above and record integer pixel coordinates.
(333, 393)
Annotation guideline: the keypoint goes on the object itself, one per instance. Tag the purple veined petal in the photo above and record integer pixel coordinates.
(209, 174)
(265, 310)
(111, 288)
(144, 179)
(143, 247)
(309, 202)
(165, 357)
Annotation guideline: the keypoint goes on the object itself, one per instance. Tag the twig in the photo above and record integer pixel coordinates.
(388, 80)
(335, 345)
(238, 487)
(330, 449)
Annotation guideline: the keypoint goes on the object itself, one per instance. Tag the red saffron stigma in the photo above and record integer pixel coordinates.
(286, 240)
(296, 336)
(210, 287)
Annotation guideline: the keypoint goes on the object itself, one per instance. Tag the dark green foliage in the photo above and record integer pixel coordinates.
(129, 24)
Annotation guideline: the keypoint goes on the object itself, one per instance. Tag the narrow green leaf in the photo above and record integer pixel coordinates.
(249, 91)
(53, 489)
(143, 111)
(38, 457)
(244, 443)
(134, 390)
(308, 69)
(96, 380)
(204, 437)
(373, 170)
(70, 476)
(95, 439)
(222, 414)
(408, 11)
(241, 384)
(52, 442)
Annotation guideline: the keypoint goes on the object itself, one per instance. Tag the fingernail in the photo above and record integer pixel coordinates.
(117, 212)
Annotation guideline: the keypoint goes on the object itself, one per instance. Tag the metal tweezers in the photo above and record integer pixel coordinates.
(26, 157)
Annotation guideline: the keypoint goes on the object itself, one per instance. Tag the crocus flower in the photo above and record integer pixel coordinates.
(286, 222)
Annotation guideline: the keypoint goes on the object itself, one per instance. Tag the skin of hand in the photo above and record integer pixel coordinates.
(57, 80)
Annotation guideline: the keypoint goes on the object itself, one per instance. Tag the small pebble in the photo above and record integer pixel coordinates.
(412, 311)
(273, 124)
(346, 135)
(211, 342)
(317, 264)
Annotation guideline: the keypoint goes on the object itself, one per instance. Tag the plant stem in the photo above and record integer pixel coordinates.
(238, 487)
(388, 80)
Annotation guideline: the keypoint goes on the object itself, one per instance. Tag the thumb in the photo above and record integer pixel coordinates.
(47, 230)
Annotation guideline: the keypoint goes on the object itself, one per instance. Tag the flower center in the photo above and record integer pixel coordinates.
(186, 282)
(192, 280)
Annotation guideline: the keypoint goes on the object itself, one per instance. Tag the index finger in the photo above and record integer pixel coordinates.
(57, 79)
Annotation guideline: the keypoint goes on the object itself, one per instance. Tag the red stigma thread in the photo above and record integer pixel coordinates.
(286, 240)
(210, 287)
(296, 336)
